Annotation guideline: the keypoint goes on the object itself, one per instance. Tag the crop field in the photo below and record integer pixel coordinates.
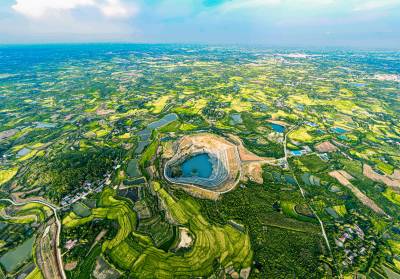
(137, 254)
(301, 135)
(35, 274)
(313, 163)
(313, 141)
(7, 174)
(270, 229)
(160, 104)
(289, 208)
(161, 231)
(29, 213)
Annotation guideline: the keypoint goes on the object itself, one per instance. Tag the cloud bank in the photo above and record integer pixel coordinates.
(41, 8)
(286, 22)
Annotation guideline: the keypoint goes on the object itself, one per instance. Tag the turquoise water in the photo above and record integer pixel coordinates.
(198, 165)
(339, 130)
(277, 128)
(296, 152)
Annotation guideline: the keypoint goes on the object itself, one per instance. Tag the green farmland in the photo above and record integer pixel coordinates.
(214, 246)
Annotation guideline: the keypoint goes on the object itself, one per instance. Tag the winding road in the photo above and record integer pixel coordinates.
(58, 223)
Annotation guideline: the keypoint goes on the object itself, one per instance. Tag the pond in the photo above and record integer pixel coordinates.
(236, 118)
(277, 128)
(45, 125)
(339, 130)
(359, 84)
(24, 151)
(14, 258)
(133, 169)
(199, 165)
(296, 152)
(141, 146)
(163, 121)
(145, 135)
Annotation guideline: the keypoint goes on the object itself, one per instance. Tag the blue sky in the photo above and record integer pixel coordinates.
(351, 23)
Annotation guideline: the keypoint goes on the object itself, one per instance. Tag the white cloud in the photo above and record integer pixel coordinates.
(41, 8)
(115, 8)
(376, 4)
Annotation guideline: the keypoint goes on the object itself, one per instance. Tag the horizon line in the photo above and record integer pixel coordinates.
(263, 45)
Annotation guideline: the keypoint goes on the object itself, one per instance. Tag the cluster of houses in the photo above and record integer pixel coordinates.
(351, 240)
(86, 189)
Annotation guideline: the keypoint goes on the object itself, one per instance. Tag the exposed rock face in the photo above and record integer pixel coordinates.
(223, 156)
(231, 163)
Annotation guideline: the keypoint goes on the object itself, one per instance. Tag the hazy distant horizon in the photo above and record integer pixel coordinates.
(372, 24)
(271, 47)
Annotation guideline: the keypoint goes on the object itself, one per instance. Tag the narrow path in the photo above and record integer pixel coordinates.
(58, 223)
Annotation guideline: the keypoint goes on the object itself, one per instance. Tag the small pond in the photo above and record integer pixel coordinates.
(296, 152)
(133, 169)
(359, 84)
(199, 165)
(339, 130)
(145, 134)
(141, 146)
(45, 125)
(14, 258)
(277, 128)
(236, 118)
(24, 151)
(163, 121)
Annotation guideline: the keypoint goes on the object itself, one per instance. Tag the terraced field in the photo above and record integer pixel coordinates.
(215, 248)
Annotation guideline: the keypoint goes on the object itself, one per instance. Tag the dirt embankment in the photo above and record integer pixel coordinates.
(389, 180)
(253, 172)
(343, 177)
(325, 146)
(185, 239)
(240, 163)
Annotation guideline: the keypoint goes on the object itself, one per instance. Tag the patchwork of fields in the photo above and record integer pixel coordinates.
(307, 181)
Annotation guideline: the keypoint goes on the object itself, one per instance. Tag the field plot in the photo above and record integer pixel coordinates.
(343, 178)
(305, 142)
(271, 230)
(137, 254)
